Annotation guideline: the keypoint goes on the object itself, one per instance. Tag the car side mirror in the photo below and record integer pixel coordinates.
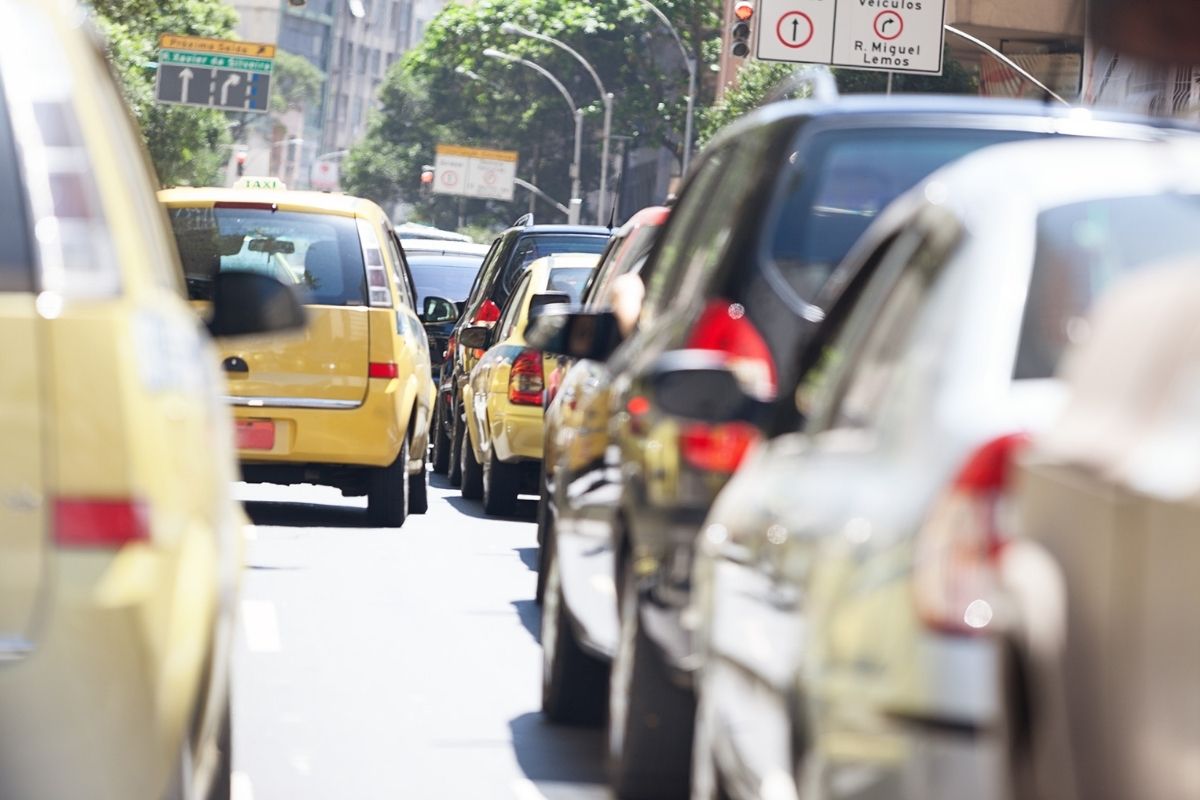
(437, 310)
(593, 335)
(540, 302)
(475, 337)
(247, 303)
(699, 385)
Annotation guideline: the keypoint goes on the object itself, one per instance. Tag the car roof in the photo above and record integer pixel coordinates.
(536, 230)
(450, 260)
(442, 247)
(948, 110)
(1053, 172)
(285, 199)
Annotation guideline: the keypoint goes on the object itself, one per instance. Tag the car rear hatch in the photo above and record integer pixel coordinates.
(319, 254)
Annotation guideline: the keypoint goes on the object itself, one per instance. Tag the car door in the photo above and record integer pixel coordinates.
(23, 522)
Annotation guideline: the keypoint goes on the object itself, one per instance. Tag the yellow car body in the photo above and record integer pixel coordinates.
(350, 399)
(502, 449)
(120, 541)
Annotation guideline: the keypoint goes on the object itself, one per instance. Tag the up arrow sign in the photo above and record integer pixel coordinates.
(185, 79)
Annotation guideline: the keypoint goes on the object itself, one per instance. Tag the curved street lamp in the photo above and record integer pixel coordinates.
(606, 98)
(691, 96)
(576, 201)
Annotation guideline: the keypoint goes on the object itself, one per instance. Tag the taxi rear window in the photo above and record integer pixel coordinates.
(319, 254)
(16, 257)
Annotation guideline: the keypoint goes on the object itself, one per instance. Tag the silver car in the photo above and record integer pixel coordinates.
(1108, 503)
(850, 629)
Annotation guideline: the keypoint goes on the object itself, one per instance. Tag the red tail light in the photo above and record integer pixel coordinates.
(382, 369)
(525, 381)
(958, 547)
(488, 312)
(100, 523)
(725, 327)
(450, 343)
(717, 448)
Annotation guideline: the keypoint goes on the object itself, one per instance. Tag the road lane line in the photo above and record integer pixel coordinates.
(525, 789)
(240, 787)
(261, 625)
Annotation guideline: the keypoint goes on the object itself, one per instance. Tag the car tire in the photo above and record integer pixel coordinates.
(441, 442)
(472, 472)
(500, 484)
(387, 491)
(418, 493)
(454, 473)
(650, 718)
(574, 682)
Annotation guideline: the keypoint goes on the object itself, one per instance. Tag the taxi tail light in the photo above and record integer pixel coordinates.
(488, 312)
(383, 369)
(725, 328)
(959, 546)
(525, 379)
(378, 294)
(100, 523)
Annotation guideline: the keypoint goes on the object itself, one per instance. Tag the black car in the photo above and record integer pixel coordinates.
(445, 276)
(505, 262)
(742, 270)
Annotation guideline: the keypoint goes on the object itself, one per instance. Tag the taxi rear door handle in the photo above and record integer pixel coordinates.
(235, 364)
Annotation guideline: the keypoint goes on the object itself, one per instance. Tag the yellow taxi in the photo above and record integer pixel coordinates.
(502, 399)
(347, 404)
(120, 541)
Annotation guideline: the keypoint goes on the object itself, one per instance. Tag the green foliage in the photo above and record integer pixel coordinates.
(424, 101)
(295, 82)
(187, 145)
(758, 79)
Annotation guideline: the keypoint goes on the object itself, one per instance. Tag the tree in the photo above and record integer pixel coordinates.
(295, 82)
(757, 80)
(187, 145)
(427, 100)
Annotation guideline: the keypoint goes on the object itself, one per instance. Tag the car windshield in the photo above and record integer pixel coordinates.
(449, 277)
(569, 280)
(1081, 249)
(849, 178)
(319, 253)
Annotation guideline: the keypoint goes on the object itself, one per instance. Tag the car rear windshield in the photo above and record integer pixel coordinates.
(1081, 249)
(448, 277)
(318, 253)
(569, 280)
(846, 179)
(531, 248)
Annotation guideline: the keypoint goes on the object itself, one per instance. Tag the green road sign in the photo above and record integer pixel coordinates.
(216, 61)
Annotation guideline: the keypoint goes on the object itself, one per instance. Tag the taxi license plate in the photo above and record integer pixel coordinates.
(255, 434)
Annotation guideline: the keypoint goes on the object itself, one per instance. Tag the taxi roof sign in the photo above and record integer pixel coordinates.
(260, 182)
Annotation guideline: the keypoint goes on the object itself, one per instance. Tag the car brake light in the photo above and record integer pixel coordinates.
(488, 312)
(377, 286)
(525, 380)
(382, 369)
(100, 523)
(724, 327)
(959, 546)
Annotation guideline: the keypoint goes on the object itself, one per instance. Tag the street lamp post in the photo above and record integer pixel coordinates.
(576, 200)
(691, 96)
(606, 98)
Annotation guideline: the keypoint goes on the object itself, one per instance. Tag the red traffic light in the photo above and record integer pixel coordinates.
(744, 10)
(241, 157)
(427, 176)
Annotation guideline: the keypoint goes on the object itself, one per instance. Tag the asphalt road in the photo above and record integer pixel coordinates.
(395, 663)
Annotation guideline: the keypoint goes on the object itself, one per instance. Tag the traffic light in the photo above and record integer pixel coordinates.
(240, 159)
(743, 12)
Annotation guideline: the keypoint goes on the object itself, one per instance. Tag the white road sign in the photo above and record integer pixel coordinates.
(893, 35)
(475, 172)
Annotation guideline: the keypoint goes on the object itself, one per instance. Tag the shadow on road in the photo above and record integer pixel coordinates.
(526, 509)
(557, 754)
(531, 617)
(529, 555)
(437, 481)
(306, 515)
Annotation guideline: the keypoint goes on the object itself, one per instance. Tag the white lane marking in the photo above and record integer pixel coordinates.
(240, 787)
(525, 789)
(261, 625)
